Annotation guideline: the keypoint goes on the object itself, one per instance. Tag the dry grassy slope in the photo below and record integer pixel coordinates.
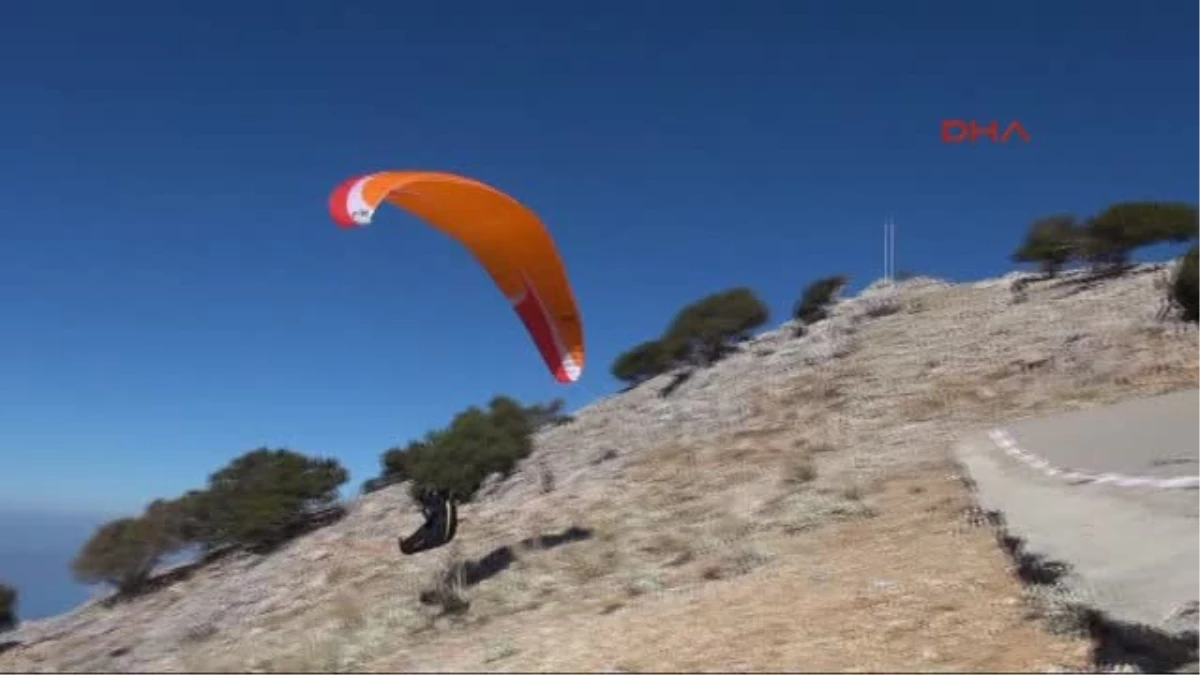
(791, 508)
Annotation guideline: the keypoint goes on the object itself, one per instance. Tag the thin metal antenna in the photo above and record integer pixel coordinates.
(886, 278)
(889, 249)
(892, 247)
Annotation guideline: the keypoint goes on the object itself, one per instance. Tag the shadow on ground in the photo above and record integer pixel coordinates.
(474, 572)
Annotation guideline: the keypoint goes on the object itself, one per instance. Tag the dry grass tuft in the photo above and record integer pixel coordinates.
(338, 573)
(588, 562)
(799, 470)
(200, 632)
(317, 656)
(741, 559)
(447, 587)
(348, 610)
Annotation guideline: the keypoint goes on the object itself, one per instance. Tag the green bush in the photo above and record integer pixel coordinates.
(263, 497)
(813, 305)
(1185, 288)
(702, 332)
(699, 335)
(375, 484)
(395, 464)
(477, 443)
(124, 552)
(549, 414)
(8, 607)
(1051, 243)
(645, 361)
(1109, 238)
(256, 501)
(193, 521)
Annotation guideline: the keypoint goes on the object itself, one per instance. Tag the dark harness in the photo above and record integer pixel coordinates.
(441, 522)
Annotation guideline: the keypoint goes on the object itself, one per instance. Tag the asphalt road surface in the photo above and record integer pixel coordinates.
(1157, 436)
(1134, 552)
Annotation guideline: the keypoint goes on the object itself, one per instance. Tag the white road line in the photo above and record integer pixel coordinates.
(1008, 445)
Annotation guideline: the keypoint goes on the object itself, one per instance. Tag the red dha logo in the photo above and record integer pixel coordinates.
(957, 131)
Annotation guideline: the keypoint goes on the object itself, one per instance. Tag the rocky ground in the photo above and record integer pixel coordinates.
(792, 508)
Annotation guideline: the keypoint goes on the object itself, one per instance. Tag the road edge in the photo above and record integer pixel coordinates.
(1116, 644)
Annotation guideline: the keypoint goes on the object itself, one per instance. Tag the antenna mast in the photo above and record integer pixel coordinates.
(889, 249)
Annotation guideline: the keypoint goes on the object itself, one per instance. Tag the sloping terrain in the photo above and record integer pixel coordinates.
(793, 507)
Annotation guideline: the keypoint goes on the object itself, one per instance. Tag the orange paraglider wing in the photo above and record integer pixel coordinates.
(505, 237)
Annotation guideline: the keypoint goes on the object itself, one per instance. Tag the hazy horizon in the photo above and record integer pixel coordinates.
(36, 549)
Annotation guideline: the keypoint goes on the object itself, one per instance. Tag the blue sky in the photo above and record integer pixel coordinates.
(174, 294)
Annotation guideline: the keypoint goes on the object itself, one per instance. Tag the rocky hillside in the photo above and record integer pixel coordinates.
(792, 507)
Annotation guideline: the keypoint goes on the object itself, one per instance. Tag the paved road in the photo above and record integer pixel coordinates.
(1134, 551)
(1157, 436)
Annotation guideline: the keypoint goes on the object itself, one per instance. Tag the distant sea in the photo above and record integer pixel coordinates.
(36, 550)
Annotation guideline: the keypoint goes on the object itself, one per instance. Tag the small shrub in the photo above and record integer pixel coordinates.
(447, 589)
(799, 470)
(735, 562)
(1109, 238)
(545, 478)
(851, 492)
(479, 445)
(700, 334)
(645, 361)
(548, 415)
(120, 553)
(266, 496)
(200, 632)
(8, 607)
(706, 330)
(124, 552)
(498, 651)
(1051, 243)
(1185, 288)
(881, 307)
(813, 305)
(348, 610)
(822, 447)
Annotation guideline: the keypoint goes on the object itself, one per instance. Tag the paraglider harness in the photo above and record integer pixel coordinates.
(441, 522)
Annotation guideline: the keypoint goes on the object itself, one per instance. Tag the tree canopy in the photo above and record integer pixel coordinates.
(813, 305)
(121, 553)
(1111, 236)
(1051, 243)
(256, 501)
(8, 607)
(477, 443)
(1107, 239)
(1185, 288)
(700, 334)
(260, 497)
(644, 361)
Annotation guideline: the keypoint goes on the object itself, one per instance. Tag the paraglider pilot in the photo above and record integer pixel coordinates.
(441, 522)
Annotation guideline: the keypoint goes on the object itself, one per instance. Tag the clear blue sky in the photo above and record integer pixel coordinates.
(173, 292)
